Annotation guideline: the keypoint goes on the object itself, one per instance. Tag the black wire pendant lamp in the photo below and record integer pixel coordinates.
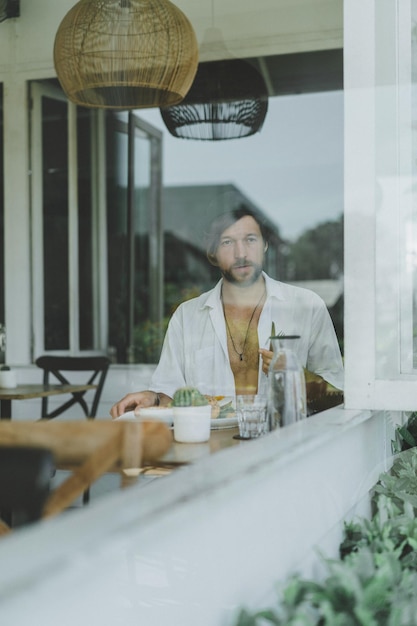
(227, 100)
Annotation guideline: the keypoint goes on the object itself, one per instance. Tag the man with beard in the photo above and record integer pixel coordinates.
(219, 342)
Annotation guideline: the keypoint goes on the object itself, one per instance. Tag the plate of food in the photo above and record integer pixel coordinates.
(158, 413)
(223, 422)
(223, 414)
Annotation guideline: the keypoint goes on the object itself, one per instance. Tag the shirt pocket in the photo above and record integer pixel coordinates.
(199, 366)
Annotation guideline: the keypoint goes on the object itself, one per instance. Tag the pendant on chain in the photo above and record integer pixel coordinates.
(240, 354)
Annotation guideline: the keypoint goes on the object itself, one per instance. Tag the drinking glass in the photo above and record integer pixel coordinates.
(251, 411)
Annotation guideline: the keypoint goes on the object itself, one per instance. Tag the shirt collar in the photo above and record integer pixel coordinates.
(213, 296)
(274, 289)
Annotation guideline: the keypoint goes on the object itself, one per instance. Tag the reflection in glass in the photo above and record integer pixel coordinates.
(134, 240)
(1, 210)
(86, 233)
(140, 290)
(55, 224)
(292, 172)
(412, 256)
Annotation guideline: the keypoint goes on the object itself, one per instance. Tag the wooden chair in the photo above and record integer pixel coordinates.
(54, 366)
(25, 475)
(88, 449)
(97, 366)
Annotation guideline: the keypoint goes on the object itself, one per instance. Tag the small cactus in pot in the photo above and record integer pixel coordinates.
(189, 396)
(192, 416)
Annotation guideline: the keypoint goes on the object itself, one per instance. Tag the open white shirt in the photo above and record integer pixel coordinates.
(195, 351)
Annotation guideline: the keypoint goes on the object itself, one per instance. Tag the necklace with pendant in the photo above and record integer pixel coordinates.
(240, 354)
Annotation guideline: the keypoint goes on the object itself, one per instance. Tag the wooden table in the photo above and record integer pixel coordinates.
(185, 453)
(88, 449)
(26, 392)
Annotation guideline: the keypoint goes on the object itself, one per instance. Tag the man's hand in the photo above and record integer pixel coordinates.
(313, 380)
(140, 399)
(133, 400)
(266, 356)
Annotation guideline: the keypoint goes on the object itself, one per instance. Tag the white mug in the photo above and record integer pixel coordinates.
(192, 423)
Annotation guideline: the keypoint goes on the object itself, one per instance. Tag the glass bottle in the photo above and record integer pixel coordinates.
(287, 401)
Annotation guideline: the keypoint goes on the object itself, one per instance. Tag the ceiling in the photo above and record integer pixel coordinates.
(302, 72)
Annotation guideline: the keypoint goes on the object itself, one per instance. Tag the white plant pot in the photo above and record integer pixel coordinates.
(8, 379)
(192, 423)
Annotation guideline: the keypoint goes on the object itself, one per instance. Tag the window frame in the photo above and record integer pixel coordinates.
(378, 127)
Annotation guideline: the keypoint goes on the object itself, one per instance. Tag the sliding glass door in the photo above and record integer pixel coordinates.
(67, 218)
(1, 221)
(135, 238)
(97, 245)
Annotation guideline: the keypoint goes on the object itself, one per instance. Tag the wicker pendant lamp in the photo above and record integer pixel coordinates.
(125, 54)
(227, 100)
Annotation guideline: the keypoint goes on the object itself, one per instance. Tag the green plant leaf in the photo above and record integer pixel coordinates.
(246, 619)
(375, 581)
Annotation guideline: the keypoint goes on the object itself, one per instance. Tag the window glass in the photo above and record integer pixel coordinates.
(395, 195)
(117, 141)
(55, 223)
(68, 311)
(380, 168)
(85, 230)
(140, 285)
(1, 212)
(412, 249)
(291, 171)
(134, 240)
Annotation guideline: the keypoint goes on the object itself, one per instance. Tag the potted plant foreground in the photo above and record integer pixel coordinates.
(374, 583)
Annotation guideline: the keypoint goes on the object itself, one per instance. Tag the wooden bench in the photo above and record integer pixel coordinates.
(89, 449)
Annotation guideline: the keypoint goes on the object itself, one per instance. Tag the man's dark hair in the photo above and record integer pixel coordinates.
(224, 221)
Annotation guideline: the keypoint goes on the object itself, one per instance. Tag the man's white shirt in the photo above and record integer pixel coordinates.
(195, 351)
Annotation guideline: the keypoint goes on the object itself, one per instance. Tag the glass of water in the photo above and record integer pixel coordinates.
(251, 411)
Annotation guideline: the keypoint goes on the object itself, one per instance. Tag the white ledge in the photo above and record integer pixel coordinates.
(205, 539)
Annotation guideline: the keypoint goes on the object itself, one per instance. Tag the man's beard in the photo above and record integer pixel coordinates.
(228, 275)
